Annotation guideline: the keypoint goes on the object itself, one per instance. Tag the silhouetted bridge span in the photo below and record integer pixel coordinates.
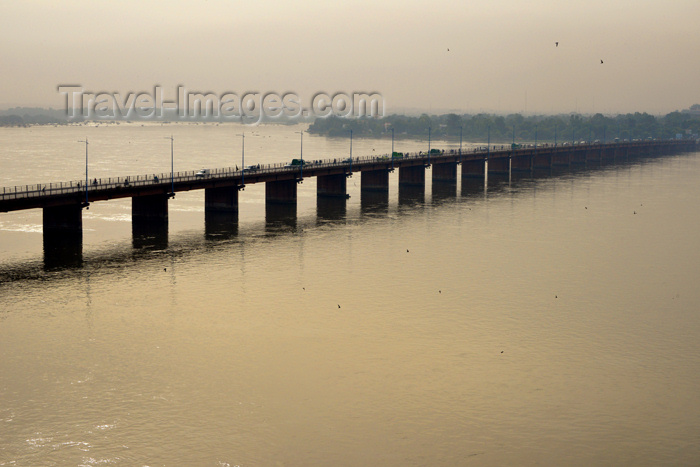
(62, 202)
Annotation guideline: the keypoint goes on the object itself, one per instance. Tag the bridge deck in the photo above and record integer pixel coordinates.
(73, 192)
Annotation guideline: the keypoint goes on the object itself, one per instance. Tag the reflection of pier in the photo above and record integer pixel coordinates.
(62, 203)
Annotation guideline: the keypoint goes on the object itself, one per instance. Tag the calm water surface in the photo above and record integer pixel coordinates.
(547, 321)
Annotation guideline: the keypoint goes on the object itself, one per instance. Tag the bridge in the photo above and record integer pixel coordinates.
(63, 202)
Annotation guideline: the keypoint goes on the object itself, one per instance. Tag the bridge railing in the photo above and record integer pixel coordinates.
(165, 180)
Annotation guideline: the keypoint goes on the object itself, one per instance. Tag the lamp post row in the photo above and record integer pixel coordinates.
(171, 194)
(86, 204)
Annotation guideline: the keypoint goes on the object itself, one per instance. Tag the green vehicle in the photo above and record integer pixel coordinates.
(397, 155)
(296, 163)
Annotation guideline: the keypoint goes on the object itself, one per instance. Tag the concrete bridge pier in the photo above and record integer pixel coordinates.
(331, 208)
(221, 199)
(63, 236)
(542, 161)
(374, 202)
(280, 216)
(578, 157)
(607, 155)
(445, 172)
(412, 184)
(473, 169)
(410, 195)
(149, 221)
(374, 180)
(621, 154)
(498, 172)
(522, 163)
(281, 192)
(592, 157)
(412, 176)
(499, 166)
(374, 190)
(220, 225)
(221, 212)
(562, 158)
(444, 179)
(281, 204)
(442, 190)
(333, 186)
(472, 187)
(331, 196)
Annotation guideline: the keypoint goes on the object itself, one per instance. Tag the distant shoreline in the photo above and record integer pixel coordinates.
(477, 128)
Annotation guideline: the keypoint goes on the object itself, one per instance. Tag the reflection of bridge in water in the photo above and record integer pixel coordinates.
(62, 203)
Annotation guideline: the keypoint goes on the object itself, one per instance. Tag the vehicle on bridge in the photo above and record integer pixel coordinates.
(203, 173)
(251, 168)
(297, 163)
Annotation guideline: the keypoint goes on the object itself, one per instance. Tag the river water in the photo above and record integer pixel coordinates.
(540, 321)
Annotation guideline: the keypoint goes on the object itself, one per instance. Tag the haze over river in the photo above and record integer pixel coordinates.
(542, 321)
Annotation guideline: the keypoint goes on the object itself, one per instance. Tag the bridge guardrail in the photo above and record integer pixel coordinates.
(164, 179)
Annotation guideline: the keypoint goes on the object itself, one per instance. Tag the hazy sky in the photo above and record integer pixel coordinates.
(502, 55)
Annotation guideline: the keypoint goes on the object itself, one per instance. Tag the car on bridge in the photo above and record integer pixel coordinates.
(203, 173)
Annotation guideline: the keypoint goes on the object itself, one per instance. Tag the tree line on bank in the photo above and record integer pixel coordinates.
(501, 128)
(477, 128)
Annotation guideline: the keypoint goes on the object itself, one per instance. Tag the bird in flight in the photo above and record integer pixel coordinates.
(556, 44)
(601, 62)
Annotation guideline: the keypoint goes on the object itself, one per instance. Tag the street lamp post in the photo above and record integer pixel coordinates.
(488, 144)
(86, 204)
(301, 156)
(172, 167)
(460, 144)
(429, 129)
(532, 159)
(242, 187)
(392, 149)
(350, 152)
